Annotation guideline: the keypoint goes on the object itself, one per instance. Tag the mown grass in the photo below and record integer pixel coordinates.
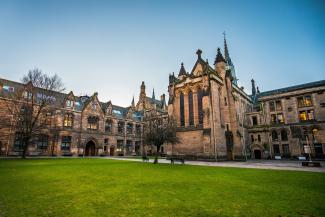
(101, 187)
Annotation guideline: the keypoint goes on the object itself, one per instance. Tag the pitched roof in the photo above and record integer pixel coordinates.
(292, 88)
(80, 101)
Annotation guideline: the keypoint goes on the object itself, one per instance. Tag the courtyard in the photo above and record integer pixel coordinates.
(105, 187)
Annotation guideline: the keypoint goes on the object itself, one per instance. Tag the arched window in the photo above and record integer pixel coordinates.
(92, 123)
(274, 135)
(108, 125)
(259, 137)
(181, 107)
(284, 135)
(252, 138)
(200, 107)
(190, 109)
(68, 120)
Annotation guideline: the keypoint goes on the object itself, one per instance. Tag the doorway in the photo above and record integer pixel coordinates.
(257, 154)
(90, 149)
(111, 151)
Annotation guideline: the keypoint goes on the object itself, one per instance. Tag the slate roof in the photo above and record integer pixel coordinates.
(80, 101)
(292, 88)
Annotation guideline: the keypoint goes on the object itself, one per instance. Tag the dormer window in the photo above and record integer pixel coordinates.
(69, 103)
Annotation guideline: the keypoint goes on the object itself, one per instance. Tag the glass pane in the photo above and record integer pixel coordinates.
(308, 101)
(272, 106)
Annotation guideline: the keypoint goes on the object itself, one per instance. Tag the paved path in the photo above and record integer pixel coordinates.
(256, 164)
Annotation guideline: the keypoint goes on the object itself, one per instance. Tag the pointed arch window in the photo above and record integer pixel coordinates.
(190, 109)
(181, 107)
(200, 106)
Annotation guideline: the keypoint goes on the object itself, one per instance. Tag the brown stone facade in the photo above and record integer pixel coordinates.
(275, 124)
(208, 92)
(79, 125)
(286, 120)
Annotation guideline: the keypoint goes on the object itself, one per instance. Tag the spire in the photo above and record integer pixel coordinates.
(182, 71)
(153, 93)
(253, 87)
(219, 57)
(132, 103)
(227, 57)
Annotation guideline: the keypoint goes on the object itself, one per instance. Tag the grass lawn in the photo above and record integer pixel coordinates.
(101, 187)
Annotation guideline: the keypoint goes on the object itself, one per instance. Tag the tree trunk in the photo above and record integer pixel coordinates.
(24, 150)
(25, 147)
(157, 154)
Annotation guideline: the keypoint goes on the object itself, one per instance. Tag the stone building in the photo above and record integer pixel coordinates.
(210, 110)
(80, 125)
(284, 121)
(218, 120)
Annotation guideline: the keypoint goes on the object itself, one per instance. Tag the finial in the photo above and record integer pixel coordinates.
(253, 87)
(199, 52)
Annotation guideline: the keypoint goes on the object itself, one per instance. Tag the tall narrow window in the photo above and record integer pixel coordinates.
(181, 107)
(65, 143)
(190, 108)
(42, 142)
(200, 107)
(274, 135)
(284, 135)
(120, 127)
(19, 143)
(108, 125)
(68, 120)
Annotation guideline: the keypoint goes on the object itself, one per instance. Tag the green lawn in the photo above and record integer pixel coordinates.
(101, 187)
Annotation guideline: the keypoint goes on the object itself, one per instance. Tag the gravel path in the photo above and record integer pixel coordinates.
(256, 164)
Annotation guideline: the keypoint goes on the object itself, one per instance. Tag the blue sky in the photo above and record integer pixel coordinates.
(111, 46)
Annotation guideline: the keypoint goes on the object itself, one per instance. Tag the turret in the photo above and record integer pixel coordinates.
(220, 63)
(142, 91)
(182, 71)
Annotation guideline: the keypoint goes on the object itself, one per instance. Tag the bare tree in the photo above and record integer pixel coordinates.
(160, 130)
(30, 105)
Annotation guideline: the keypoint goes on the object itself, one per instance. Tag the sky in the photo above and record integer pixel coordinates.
(110, 47)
